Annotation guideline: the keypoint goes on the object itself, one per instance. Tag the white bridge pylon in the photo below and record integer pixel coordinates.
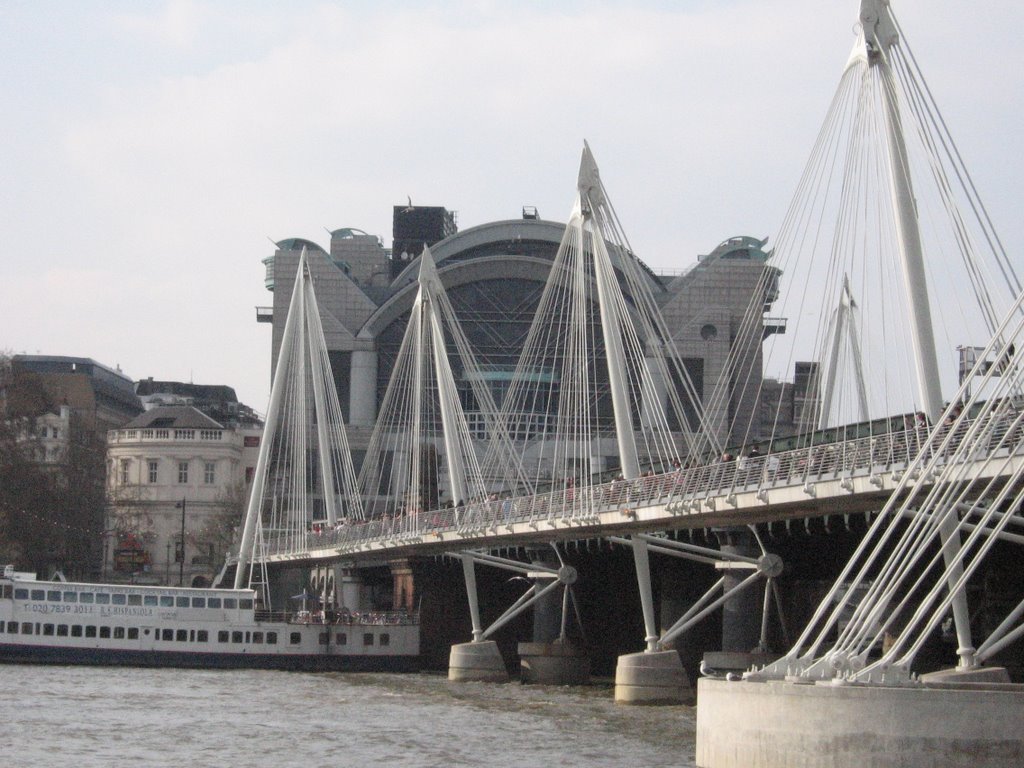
(901, 177)
(304, 423)
(423, 454)
(600, 380)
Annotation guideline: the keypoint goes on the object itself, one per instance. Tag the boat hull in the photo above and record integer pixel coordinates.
(41, 654)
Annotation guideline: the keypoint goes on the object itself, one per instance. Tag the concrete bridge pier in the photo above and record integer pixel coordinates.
(479, 660)
(348, 586)
(655, 675)
(550, 659)
(741, 613)
(404, 586)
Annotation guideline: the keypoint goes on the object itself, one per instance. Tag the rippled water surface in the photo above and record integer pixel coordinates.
(89, 716)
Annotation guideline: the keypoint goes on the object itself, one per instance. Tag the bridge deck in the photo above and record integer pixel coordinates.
(835, 478)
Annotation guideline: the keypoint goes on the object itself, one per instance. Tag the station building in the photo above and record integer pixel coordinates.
(494, 275)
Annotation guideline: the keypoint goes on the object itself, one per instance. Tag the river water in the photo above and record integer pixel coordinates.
(90, 716)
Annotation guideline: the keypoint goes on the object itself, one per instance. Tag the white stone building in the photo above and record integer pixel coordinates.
(175, 469)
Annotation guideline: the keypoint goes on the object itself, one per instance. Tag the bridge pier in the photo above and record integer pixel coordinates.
(741, 613)
(550, 659)
(348, 585)
(479, 660)
(403, 586)
(655, 675)
(777, 724)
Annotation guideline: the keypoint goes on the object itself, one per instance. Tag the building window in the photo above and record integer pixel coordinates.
(125, 467)
(182, 472)
(209, 472)
(152, 470)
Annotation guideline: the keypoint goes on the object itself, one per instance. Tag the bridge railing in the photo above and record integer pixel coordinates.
(861, 456)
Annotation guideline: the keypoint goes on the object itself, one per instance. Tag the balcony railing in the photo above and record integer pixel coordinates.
(166, 435)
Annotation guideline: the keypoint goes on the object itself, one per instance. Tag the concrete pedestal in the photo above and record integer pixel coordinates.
(785, 725)
(478, 662)
(553, 664)
(655, 677)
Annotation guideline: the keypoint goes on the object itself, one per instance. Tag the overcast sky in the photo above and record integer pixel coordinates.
(150, 149)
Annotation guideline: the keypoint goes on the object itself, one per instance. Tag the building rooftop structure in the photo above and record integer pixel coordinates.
(173, 417)
(217, 401)
(104, 398)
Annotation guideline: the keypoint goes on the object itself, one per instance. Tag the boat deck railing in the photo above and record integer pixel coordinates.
(343, 618)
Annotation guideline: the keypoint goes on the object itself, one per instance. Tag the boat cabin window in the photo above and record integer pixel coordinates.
(257, 637)
(26, 628)
(166, 601)
(12, 627)
(134, 599)
(5, 590)
(167, 634)
(295, 638)
(182, 636)
(21, 594)
(150, 600)
(236, 637)
(230, 603)
(62, 630)
(385, 638)
(213, 602)
(85, 597)
(70, 597)
(222, 636)
(133, 633)
(38, 594)
(245, 603)
(271, 638)
(105, 633)
(119, 633)
(76, 630)
(118, 599)
(182, 602)
(368, 638)
(341, 638)
(47, 629)
(198, 602)
(324, 638)
(90, 631)
(202, 636)
(102, 598)
(53, 595)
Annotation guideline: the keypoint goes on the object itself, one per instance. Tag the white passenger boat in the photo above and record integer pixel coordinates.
(56, 622)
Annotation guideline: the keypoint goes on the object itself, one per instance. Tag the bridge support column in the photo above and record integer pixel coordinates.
(348, 586)
(741, 613)
(404, 587)
(550, 659)
(655, 675)
(480, 660)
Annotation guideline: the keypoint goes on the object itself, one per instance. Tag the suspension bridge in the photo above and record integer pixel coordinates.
(601, 433)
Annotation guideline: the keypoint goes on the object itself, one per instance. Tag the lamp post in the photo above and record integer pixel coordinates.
(181, 556)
